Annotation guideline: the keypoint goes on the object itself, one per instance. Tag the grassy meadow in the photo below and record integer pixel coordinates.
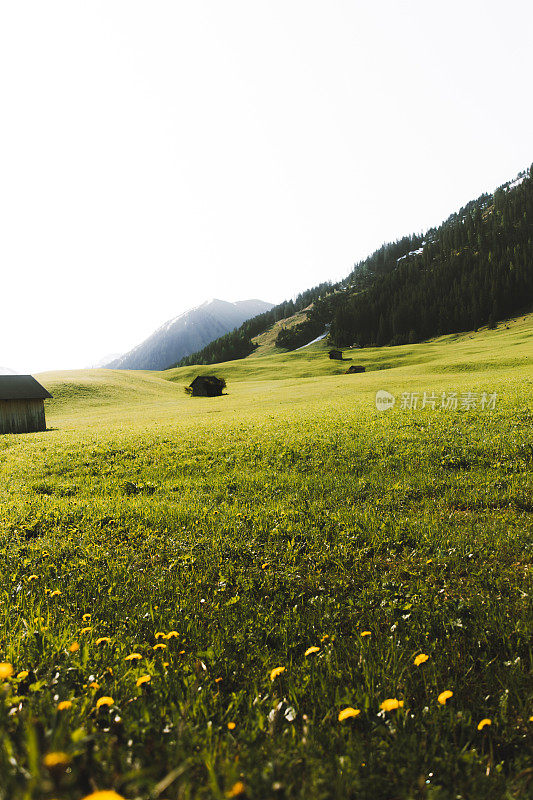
(278, 593)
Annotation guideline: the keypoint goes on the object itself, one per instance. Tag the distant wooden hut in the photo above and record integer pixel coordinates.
(206, 386)
(22, 404)
(335, 354)
(354, 368)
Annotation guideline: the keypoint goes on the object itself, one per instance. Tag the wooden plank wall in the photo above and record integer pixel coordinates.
(22, 416)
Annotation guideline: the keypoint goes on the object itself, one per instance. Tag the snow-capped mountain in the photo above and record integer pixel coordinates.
(188, 333)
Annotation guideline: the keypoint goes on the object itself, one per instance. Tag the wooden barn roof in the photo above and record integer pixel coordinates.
(21, 387)
(206, 379)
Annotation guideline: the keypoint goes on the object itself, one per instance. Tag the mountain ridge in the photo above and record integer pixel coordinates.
(187, 332)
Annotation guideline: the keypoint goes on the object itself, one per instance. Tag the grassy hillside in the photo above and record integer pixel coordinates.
(195, 589)
(266, 342)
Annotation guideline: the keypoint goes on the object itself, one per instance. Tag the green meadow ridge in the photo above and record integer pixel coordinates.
(211, 598)
(475, 268)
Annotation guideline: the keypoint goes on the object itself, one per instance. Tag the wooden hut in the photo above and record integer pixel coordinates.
(354, 368)
(21, 404)
(206, 386)
(335, 354)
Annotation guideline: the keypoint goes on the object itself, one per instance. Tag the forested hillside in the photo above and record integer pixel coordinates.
(473, 269)
(238, 343)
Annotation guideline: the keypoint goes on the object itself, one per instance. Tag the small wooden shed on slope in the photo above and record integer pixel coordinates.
(22, 404)
(354, 368)
(206, 386)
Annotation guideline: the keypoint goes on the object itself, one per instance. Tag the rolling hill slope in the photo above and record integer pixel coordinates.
(278, 383)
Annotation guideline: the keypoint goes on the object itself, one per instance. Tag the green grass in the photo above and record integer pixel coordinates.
(286, 514)
(266, 342)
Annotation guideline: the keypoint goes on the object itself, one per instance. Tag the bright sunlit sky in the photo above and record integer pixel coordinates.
(157, 153)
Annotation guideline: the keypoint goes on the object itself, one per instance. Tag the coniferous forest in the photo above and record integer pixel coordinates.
(475, 268)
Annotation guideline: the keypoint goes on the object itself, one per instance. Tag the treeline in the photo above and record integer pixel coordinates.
(382, 261)
(299, 335)
(475, 268)
(238, 343)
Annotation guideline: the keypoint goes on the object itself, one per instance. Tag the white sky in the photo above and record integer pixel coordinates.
(157, 153)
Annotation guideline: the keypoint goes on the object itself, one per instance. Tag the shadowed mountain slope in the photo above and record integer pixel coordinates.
(189, 332)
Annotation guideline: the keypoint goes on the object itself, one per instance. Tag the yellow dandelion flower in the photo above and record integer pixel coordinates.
(171, 635)
(166, 664)
(6, 670)
(87, 629)
(133, 657)
(22, 675)
(56, 759)
(103, 639)
(390, 704)
(74, 647)
(106, 794)
(236, 790)
(64, 705)
(104, 701)
(276, 671)
(444, 696)
(484, 723)
(311, 650)
(160, 635)
(33, 577)
(181, 653)
(231, 726)
(264, 566)
(86, 617)
(366, 633)
(346, 713)
(159, 646)
(421, 659)
(143, 679)
(55, 593)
